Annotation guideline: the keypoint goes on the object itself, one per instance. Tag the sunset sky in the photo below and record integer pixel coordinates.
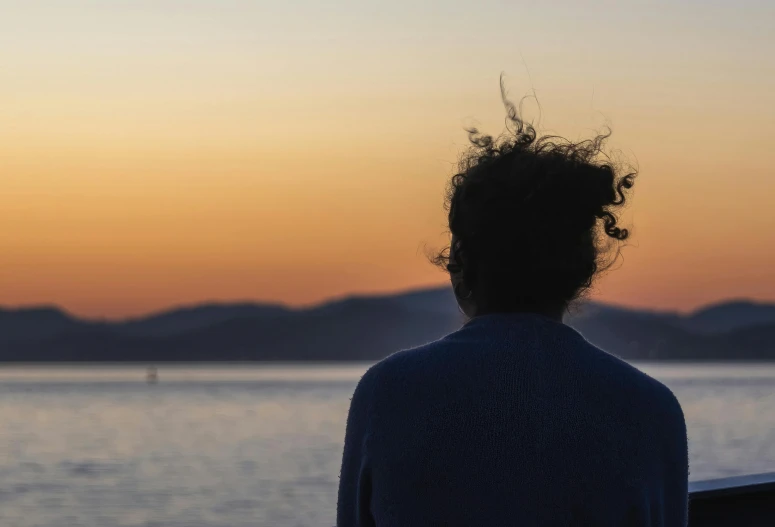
(156, 153)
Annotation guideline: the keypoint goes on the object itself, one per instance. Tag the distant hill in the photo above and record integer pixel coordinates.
(366, 328)
(34, 323)
(192, 318)
(728, 316)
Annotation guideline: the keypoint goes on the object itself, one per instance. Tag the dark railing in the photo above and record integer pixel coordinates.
(745, 501)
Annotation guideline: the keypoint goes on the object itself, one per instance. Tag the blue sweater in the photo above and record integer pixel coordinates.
(512, 420)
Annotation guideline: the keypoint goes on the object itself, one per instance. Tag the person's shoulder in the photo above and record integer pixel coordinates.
(405, 362)
(634, 384)
(665, 403)
(657, 408)
(387, 386)
(660, 399)
(406, 365)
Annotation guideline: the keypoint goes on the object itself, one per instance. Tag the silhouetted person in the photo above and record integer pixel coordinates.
(515, 419)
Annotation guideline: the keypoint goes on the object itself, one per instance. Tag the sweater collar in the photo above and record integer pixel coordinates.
(511, 318)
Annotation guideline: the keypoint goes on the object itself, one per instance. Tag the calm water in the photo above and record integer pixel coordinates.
(260, 445)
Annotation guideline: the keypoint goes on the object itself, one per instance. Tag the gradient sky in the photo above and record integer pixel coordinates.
(157, 152)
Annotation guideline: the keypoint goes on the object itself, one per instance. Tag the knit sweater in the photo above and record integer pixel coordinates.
(514, 419)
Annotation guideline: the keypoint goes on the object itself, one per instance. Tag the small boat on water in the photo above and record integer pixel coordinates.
(152, 375)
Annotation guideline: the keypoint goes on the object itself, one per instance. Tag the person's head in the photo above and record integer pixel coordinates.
(532, 219)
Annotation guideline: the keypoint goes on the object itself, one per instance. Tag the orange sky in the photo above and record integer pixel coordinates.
(155, 153)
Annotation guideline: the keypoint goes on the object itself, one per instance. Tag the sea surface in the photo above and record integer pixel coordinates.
(247, 445)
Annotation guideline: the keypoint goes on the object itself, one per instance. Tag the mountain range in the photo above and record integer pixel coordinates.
(366, 328)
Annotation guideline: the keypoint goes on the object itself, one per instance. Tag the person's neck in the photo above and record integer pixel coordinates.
(553, 314)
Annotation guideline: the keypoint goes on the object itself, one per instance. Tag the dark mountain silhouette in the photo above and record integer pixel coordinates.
(728, 316)
(366, 328)
(191, 318)
(34, 323)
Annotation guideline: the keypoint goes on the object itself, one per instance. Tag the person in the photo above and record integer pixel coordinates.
(516, 419)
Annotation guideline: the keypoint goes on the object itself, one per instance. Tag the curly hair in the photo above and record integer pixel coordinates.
(529, 217)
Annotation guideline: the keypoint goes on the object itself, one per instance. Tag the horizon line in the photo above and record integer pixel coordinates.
(343, 297)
